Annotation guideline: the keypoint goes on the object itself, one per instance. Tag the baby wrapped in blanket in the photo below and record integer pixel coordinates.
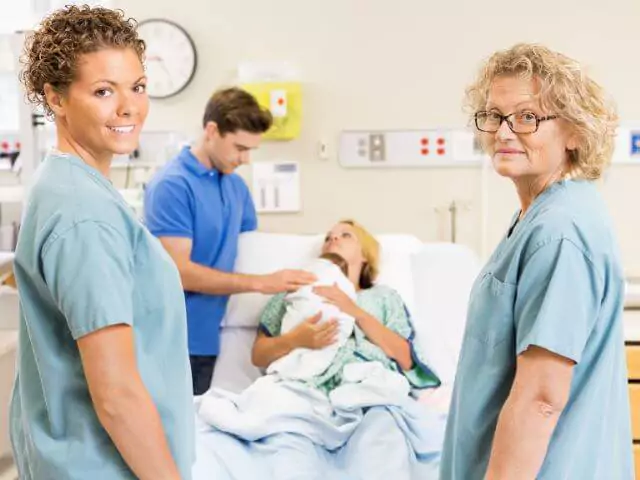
(304, 363)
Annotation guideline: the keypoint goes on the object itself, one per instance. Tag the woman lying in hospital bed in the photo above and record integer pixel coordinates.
(353, 419)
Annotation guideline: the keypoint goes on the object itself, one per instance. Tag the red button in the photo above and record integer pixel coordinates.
(425, 151)
(441, 151)
(441, 141)
(280, 101)
(5, 145)
(424, 141)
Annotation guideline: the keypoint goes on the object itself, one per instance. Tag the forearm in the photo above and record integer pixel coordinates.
(393, 345)
(267, 350)
(198, 278)
(518, 455)
(132, 421)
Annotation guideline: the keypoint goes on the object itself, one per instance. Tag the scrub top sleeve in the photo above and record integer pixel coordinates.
(557, 300)
(168, 211)
(89, 271)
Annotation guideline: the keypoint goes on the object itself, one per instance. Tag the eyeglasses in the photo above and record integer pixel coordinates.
(519, 122)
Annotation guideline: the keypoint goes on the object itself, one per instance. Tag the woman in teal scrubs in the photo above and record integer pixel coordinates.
(541, 390)
(103, 382)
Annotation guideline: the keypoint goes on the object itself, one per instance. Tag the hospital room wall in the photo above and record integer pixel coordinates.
(399, 65)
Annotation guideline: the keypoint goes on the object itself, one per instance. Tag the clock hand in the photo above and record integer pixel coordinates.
(160, 60)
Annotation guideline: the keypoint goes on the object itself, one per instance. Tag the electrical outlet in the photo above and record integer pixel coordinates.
(377, 147)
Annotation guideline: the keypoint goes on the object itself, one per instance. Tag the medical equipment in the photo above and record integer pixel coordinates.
(276, 186)
(275, 86)
(443, 147)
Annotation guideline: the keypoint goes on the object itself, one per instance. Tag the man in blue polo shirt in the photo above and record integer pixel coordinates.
(197, 206)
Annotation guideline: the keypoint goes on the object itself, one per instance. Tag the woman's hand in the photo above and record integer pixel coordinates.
(333, 295)
(310, 334)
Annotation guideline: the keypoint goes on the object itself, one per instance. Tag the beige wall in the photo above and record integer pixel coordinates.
(380, 64)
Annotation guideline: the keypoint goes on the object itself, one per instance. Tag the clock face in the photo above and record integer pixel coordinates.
(170, 57)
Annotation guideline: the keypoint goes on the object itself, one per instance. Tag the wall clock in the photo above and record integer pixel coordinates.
(171, 58)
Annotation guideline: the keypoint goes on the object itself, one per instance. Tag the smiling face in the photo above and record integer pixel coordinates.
(105, 106)
(534, 157)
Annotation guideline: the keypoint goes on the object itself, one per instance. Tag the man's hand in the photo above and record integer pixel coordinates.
(284, 281)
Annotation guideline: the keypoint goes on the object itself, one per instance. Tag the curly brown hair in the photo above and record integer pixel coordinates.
(51, 52)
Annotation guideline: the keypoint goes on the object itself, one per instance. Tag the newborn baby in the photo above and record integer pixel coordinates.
(304, 363)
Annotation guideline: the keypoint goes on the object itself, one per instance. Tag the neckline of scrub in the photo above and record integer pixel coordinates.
(94, 173)
(540, 200)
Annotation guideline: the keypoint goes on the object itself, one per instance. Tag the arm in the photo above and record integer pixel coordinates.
(308, 334)
(89, 272)
(267, 350)
(552, 327)
(169, 216)
(539, 394)
(122, 403)
(392, 344)
(199, 278)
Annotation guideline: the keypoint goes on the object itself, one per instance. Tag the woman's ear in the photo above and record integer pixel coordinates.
(54, 100)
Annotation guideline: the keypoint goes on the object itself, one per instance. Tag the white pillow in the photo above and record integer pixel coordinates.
(262, 253)
(396, 252)
(443, 275)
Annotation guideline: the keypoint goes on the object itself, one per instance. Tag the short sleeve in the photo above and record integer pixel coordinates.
(557, 300)
(398, 319)
(396, 315)
(89, 272)
(272, 315)
(249, 216)
(168, 211)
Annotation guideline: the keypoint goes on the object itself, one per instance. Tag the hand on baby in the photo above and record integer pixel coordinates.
(333, 295)
(314, 335)
(285, 281)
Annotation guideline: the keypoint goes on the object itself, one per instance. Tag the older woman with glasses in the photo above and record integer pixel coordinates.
(541, 385)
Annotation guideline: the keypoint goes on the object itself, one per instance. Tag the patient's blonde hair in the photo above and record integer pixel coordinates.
(370, 252)
(566, 91)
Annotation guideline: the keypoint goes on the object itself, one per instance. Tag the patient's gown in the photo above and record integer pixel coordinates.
(387, 306)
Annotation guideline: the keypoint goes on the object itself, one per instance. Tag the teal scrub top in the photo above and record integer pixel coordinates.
(83, 263)
(555, 282)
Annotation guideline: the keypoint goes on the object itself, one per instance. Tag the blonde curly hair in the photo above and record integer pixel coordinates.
(566, 91)
(51, 52)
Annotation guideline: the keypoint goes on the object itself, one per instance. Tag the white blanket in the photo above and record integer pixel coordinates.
(304, 363)
(272, 405)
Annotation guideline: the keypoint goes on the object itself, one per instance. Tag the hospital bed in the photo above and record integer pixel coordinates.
(434, 279)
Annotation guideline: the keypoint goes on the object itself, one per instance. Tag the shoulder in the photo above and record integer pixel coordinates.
(66, 194)
(576, 216)
(172, 176)
(382, 293)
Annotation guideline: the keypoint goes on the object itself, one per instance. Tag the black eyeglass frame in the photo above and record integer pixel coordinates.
(506, 118)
